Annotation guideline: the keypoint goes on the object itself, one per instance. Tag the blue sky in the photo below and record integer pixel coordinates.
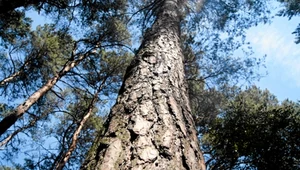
(276, 41)
(283, 56)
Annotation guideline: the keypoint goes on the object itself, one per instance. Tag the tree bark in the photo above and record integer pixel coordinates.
(150, 126)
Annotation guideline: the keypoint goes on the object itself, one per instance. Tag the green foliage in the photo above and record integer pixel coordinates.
(291, 9)
(32, 60)
(255, 131)
(9, 168)
(49, 50)
(4, 109)
(14, 26)
(297, 34)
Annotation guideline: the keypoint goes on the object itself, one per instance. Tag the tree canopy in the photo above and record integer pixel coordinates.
(291, 9)
(255, 131)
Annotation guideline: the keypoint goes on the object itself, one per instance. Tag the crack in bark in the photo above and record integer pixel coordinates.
(184, 163)
(133, 135)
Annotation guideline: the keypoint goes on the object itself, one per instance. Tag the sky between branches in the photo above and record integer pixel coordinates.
(276, 41)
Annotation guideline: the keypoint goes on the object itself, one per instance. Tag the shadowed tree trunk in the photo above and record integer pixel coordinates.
(151, 127)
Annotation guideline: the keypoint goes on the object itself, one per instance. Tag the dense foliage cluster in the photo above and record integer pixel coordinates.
(255, 131)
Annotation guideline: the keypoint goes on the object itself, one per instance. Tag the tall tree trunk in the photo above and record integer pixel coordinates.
(151, 127)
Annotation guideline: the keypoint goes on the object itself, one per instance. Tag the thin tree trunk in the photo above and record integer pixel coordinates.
(151, 127)
(10, 78)
(9, 120)
(72, 146)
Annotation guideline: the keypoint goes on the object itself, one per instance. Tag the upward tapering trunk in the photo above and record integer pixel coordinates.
(151, 127)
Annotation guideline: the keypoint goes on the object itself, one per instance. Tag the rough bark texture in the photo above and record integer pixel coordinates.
(151, 127)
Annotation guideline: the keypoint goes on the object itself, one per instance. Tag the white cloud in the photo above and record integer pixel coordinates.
(277, 42)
